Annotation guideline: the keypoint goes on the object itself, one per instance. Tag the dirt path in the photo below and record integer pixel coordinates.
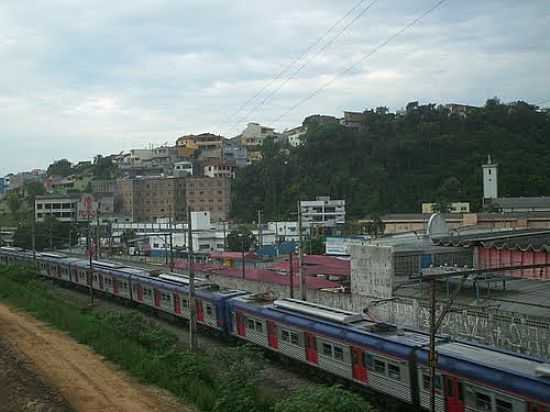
(88, 383)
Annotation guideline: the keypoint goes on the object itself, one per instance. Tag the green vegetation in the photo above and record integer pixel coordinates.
(224, 380)
(332, 399)
(241, 239)
(398, 162)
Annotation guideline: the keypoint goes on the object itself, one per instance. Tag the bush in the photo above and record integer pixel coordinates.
(323, 399)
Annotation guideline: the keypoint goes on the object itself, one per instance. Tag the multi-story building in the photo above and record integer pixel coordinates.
(212, 194)
(295, 135)
(254, 136)
(62, 207)
(453, 207)
(188, 145)
(183, 168)
(218, 168)
(354, 120)
(151, 198)
(18, 180)
(323, 212)
(104, 186)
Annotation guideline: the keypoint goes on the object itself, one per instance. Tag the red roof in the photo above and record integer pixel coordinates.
(268, 276)
(231, 255)
(317, 265)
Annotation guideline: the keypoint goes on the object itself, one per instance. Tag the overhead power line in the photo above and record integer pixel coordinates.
(307, 60)
(363, 59)
(312, 46)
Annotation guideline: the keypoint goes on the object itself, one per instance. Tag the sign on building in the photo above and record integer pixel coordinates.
(372, 271)
(87, 208)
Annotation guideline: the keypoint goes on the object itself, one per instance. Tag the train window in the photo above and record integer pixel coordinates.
(250, 324)
(209, 310)
(285, 336)
(379, 366)
(327, 349)
(503, 406)
(259, 326)
(338, 353)
(294, 338)
(426, 382)
(483, 402)
(394, 371)
(369, 361)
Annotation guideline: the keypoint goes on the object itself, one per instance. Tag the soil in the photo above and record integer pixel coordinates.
(44, 370)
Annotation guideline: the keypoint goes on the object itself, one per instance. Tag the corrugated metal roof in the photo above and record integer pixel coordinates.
(528, 239)
(522, 202)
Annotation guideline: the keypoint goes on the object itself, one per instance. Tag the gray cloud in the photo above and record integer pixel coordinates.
(80, 78)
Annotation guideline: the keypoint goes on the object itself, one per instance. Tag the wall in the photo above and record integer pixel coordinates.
(506, 330)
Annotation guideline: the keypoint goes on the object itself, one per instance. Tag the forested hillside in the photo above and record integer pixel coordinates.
(398, 162)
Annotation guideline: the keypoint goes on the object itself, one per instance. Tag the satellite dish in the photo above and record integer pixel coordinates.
(437, 226)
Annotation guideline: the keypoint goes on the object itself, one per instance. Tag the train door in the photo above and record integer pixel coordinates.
(140, 293)
(115, 286)
(200, 311)
(311, 348)
(100, 281)
(359, 369)
(177, 304)
(454, 394)
(241, 327)
(272, 334)
(157, 297)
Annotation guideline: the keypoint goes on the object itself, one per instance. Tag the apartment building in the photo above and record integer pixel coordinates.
(323, 212)
(211, 194)
(218, 168)
(62, 207)
(151, 198)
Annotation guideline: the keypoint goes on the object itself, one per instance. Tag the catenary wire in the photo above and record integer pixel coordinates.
(312, 46)
(305, 62)
(365, 57)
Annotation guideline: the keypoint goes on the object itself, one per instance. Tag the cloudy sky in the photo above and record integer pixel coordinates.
(85, 77)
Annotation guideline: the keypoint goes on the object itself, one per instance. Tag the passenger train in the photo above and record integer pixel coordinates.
(392, 361)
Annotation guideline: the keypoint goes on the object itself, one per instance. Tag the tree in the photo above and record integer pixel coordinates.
(61, 168)
(240, 240)
(50, 234)
(104, 168)
(323, 399)
(33, 189)
(14, 202)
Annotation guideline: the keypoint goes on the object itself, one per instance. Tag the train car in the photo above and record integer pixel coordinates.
(341, 342)
(478, 378)
(14, 255)
(469, 378)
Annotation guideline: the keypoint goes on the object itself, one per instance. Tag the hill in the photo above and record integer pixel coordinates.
(399, 161)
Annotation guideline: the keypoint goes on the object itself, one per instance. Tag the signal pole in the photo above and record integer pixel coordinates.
(291, 274)
(301, 255)
(33, 230)
(191, 299)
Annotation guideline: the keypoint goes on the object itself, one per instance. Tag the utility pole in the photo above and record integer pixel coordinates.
(91, 269)
(242, 256)
(191, 298)
(171, 241)
(301, 255)
(224, 237)
(97, 234)
(260, 237)
(33, 229)
(432, 359)
(291, 274)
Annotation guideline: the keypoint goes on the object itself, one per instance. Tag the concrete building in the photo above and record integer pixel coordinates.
(151, 198)
(235, 153)
(212, 194)
(354, 120)
(18, 180)
(453, 207)
(296, 135)
(460, 109)
(490, 180)
(218, 168)
(284, 231)
(254, 136)
(104, 186)
(183, 168)
(323, 212)
(62, 207)
(188, 145)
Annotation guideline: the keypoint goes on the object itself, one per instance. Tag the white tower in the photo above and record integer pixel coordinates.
(490, 179)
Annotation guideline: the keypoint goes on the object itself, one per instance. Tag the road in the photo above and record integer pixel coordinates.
(86, 381)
